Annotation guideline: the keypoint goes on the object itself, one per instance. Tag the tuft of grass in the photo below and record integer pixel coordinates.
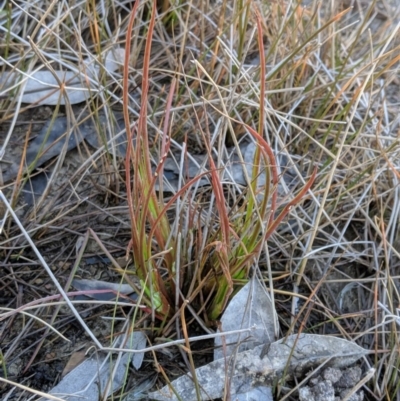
(236, 235)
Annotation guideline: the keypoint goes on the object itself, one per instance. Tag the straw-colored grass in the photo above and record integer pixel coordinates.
(316, 88)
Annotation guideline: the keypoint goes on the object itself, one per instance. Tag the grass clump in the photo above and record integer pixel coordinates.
(235, 236)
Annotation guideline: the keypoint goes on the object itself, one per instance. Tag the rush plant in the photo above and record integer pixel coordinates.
(235, 235)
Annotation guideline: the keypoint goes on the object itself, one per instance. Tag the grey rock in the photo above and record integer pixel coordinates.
(332, 374)
(350, 377)
(322, 391)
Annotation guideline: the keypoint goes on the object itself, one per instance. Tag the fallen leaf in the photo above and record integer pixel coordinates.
(90, 380)
(244, 371)
(114, 289)
(75, 359)
(250, 307)
(43, 87)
